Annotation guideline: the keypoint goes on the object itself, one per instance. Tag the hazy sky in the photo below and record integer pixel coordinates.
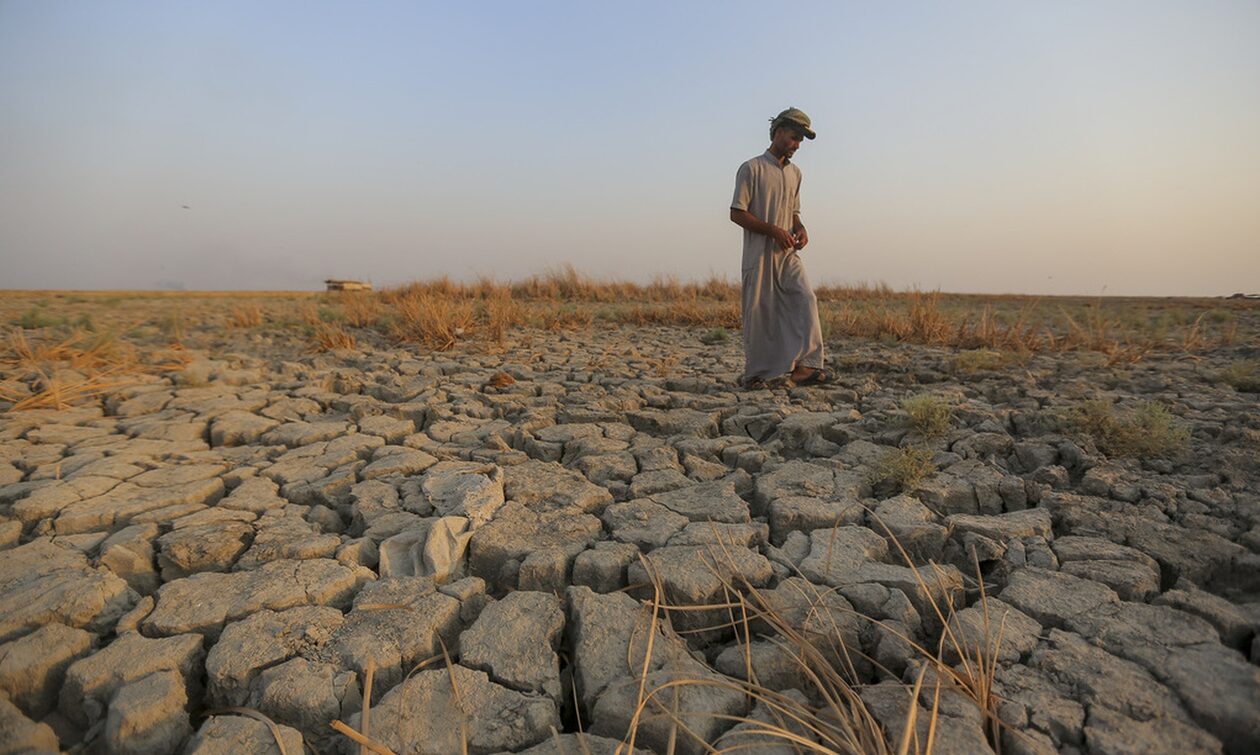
(1054, 147)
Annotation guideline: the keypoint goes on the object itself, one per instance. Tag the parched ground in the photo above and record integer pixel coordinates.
(483, 528)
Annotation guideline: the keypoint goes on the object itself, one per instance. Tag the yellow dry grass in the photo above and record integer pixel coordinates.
(58, 373)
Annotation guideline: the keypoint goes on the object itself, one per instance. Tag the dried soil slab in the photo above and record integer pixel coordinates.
(706, 704)
(643, 523)
(1219, 688)
(671, 422)
(706, 502)
(203, 603)
(130, 499)
(239, 428)
(148, 715)
(20, 734)
(281, 535)
(260, 641)
(547, 486)
(1055, 598)
(397, 622)
(41, 583)
(585, 744)
(845, 556)
(694, 575)
(611, 635)
(1015, 524)
(33, 668)
(794, 478)
(425, 715)
(514, 640)
(92, 681)
(231, 735)
(517, 531)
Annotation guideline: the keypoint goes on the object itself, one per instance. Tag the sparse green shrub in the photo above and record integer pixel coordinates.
(715, 336)
(1243, 375)
(35, 317)
(172, 325)
(929, 415)
(330, 315)
(901, 469)
(1148, 429)
(976, 360)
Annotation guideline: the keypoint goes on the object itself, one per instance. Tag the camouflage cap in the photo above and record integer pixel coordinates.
(796, 117)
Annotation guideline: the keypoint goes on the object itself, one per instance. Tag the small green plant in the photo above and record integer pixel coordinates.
(929, 415)
(1148, 429)
(1243, 375)
(901, 469)
(977, 360)
(715, 336)
(35, 318)
(330, 315)
(172, 326)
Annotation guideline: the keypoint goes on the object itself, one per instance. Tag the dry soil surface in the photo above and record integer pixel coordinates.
(483, 528)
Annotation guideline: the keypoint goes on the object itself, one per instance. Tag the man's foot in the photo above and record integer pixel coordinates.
(755, 384)
(810, 376)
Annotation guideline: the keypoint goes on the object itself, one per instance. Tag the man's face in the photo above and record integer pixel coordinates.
(786, 141)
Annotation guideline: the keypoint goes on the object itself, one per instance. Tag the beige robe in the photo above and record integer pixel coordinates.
(780, 312)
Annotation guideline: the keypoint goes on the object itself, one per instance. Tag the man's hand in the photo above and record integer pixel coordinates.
(745, 219)
(786, 240)
(802, 236)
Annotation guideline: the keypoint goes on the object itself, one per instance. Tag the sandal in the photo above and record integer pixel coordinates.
(755, 384)
(817, 377)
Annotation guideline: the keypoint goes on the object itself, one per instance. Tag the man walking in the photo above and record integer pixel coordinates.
(782, 335)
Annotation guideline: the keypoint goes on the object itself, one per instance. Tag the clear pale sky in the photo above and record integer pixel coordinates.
(1069, 147)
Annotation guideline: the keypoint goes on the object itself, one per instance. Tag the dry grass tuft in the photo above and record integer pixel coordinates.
(1243, 375)
(331, 336)
(82, 366)
(1146, 430)
(833, 718)
(929, 415)
(429, 319)
(901, 469)
(980, 360)
(361, 309)
(245, 316)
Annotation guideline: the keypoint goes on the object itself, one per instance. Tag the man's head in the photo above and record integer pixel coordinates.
(787, 130)
(793, 118)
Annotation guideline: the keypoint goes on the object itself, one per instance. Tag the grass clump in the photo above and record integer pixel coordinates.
(1146, 430)
(245, 316)
(35, 318)
(1243, 376)
(332, 336)
(929, 415)
(979, 360)
(901, 469)
(715, 336)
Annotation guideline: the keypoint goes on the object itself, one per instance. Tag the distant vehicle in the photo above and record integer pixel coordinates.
(342, 285)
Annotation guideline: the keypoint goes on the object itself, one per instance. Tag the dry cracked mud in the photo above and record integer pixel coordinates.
(483, 530)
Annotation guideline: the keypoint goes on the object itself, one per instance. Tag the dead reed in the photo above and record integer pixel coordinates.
(245, 316)
(834, 717)
(62, 372)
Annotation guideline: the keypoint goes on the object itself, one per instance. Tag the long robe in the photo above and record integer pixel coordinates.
(780, 311)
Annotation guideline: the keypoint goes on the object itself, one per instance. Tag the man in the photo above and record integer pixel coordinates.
(782, 335)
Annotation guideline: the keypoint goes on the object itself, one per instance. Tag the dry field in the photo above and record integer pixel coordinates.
(543, 517)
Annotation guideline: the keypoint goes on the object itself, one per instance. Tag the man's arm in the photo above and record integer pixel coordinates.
(745, 219)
